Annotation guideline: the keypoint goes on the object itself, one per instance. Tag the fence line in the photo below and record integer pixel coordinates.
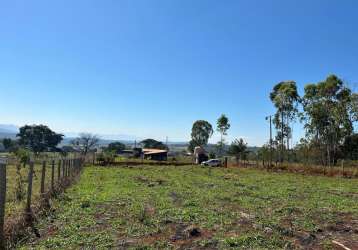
(2, 202)
(71, 167)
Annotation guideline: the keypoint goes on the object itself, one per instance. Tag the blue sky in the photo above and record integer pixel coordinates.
(151, 68)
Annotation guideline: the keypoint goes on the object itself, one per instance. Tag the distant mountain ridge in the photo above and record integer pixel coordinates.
(8, 131)
(9, 128)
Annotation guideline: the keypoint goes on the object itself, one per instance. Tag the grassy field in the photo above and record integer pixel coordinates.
(151, 207)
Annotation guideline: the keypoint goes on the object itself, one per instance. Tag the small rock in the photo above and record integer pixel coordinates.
(268, 230)
(246, 216)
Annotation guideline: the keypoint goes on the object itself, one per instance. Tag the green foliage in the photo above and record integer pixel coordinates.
(107, 156)
(38, 138)
(23, 155)
(238, 148)
(201, 132)
(116, 146)
(350, 147)
(192, 145)
(212, 155)
(19, 186)
(330, 111)
(9, 144)
(151, 143)
(285, 98)
(223, 126)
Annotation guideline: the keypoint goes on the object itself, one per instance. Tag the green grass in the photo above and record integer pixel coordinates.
(151, 207)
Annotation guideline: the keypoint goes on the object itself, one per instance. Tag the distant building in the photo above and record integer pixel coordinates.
(146, 153)
(155, 154)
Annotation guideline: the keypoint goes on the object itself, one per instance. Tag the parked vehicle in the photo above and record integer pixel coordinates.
(212, 163)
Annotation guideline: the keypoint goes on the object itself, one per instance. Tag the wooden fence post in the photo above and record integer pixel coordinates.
(59, 171)
(67, 167)
(2, 201)
(71, 168)
(43, 174)
(63, 168)
(53, 175)
(29, 188)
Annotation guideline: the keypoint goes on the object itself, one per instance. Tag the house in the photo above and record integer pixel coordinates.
(155, 154)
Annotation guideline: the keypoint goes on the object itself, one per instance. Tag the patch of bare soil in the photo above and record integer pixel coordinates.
(344, 232)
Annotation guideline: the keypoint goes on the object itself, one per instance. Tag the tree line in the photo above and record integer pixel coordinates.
(328, 111)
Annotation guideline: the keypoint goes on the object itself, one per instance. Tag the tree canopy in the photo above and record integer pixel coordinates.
(151, 143)
(238, 148)
(329, 113)
(117, 147)
(85, 143)
(200, 133)
(38, 138)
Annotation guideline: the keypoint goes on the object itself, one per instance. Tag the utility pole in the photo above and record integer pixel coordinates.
(270, 118)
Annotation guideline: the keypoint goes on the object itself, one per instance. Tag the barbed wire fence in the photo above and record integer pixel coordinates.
(26, 190)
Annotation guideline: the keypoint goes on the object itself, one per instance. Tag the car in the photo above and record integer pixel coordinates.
(212, 163)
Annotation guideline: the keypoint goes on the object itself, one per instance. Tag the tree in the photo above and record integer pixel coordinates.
(329, 113)
(38, 138)
(10, 145)
(238, 148)
(85, 143)
(192, 145)
(151, 143)
(350, 147)
(117, 147)
(107, 156)
(23, 155)
(285, 98)
(223, 126)
(201, 132)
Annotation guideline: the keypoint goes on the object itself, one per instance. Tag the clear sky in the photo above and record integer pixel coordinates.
(150, 68)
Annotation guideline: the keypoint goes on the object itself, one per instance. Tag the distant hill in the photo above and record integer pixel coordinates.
(8, 131)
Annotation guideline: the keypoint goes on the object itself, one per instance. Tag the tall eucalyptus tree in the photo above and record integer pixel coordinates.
(285, 97)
